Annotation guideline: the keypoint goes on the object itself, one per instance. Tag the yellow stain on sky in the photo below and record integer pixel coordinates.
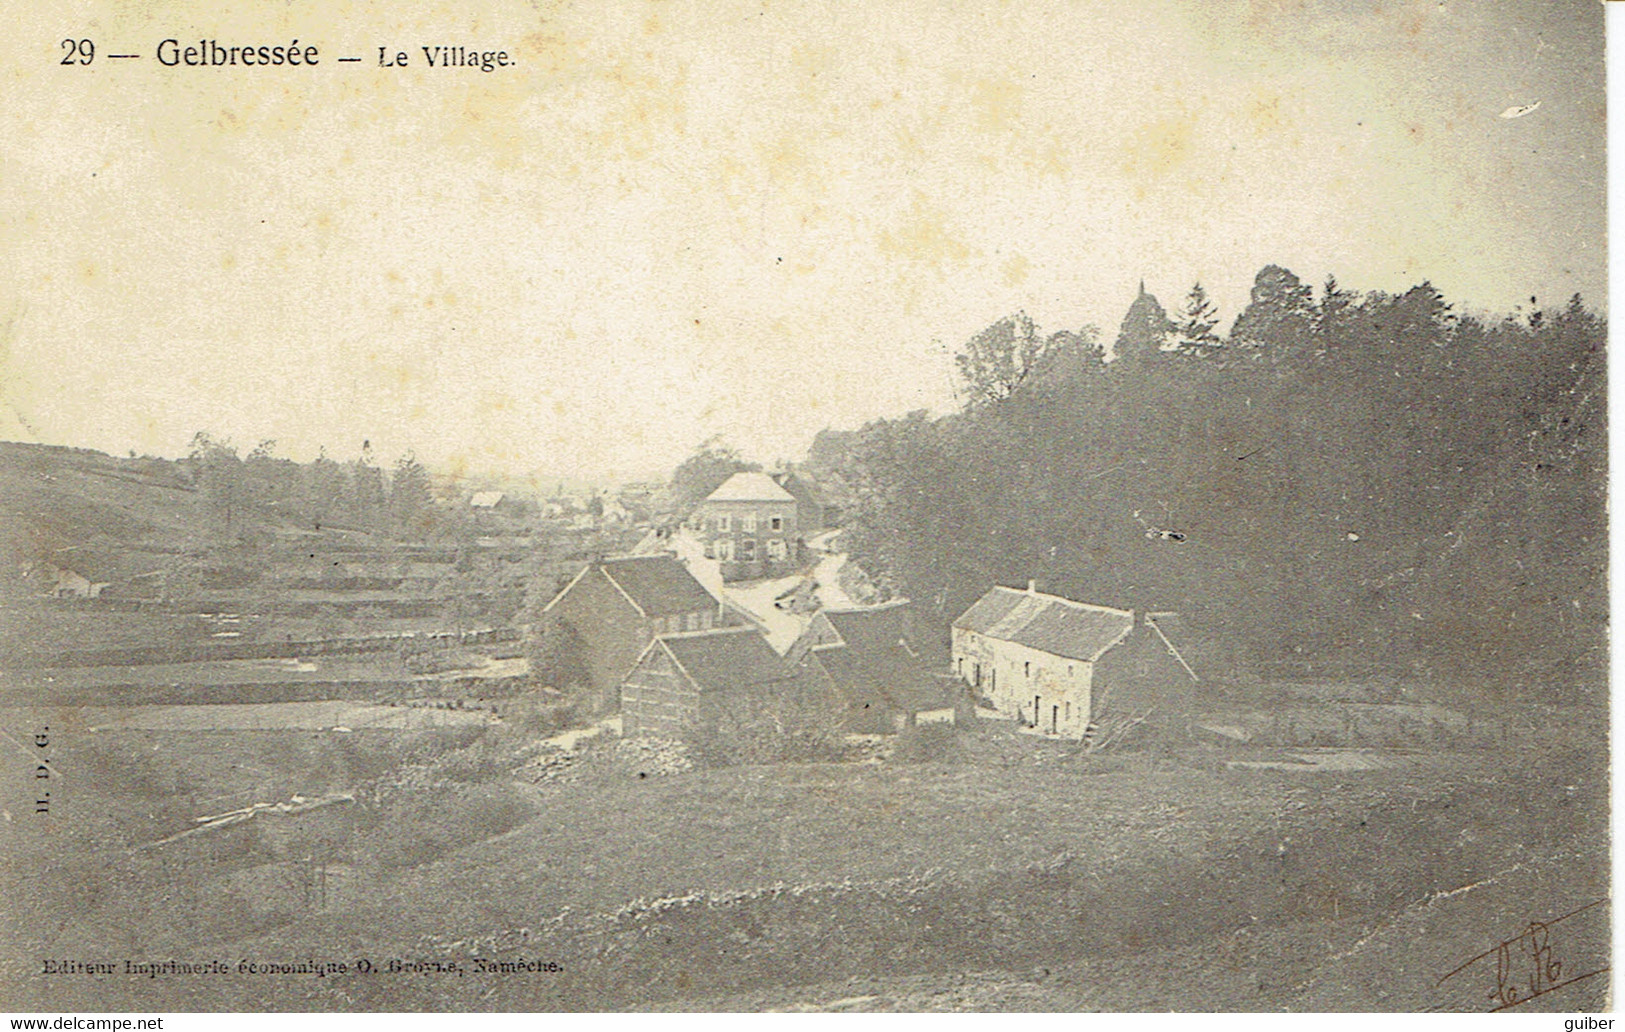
(653, 191)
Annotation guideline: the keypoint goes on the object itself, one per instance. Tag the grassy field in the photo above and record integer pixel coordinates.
(1009, 872)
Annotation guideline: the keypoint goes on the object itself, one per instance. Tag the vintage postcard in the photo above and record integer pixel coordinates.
(743, 505)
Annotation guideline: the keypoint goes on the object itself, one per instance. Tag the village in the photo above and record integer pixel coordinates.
(742, 615)
(582, 722)
(742, 611)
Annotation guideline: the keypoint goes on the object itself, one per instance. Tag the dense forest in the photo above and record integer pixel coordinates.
(1363, 483)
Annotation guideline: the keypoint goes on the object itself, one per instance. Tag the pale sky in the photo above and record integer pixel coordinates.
(670, 221)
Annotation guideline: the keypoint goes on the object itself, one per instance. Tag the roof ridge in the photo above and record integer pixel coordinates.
(675, 659)
(566, 589)
(1048, 622)
(617, 586)
(757, 481)
(1063, 600)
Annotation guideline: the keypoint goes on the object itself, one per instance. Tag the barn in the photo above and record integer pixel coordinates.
(722, 681)
(617, 605)
(886, 665)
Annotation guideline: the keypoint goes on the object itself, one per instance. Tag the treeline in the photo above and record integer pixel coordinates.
(1343, 482)
(238, 491)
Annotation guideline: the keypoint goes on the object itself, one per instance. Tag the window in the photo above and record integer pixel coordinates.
(710, 550)
(776, 523)
(725, 550)
(747, 550)
(724, 524)
(747, 523)
(693, 621)
(775, 549)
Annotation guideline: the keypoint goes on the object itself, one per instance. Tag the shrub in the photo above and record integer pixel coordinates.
(557, 654)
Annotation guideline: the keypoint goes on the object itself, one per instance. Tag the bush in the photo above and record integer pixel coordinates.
(558, 656)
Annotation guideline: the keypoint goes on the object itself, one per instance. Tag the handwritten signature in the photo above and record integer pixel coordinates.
(1527, 965)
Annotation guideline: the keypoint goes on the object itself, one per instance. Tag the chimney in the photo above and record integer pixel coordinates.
(1032, 587)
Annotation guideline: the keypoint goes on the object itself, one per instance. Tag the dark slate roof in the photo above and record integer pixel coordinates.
(727, 659)
(890, 681)
(881, 660)
(882, 627)
(659, 584)
(799, 487)
(1047, 623)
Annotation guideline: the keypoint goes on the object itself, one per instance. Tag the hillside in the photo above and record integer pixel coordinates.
(157, 576)
(1346, 485)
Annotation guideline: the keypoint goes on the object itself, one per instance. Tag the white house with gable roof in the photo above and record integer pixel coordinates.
(1058, 665)
(750, 526)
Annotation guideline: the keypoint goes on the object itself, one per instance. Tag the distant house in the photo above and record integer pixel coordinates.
(1059, 665)
(65, 582)
(750, 526)
(613, 510)
(486, 500)
(720, 682)
(76, 573)
(616, 606)
(885, 665)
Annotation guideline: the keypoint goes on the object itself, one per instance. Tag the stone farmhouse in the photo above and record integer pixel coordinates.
(1060, 666)
(885, 665)
(616, 606)
(750, 526)
(726, 681)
